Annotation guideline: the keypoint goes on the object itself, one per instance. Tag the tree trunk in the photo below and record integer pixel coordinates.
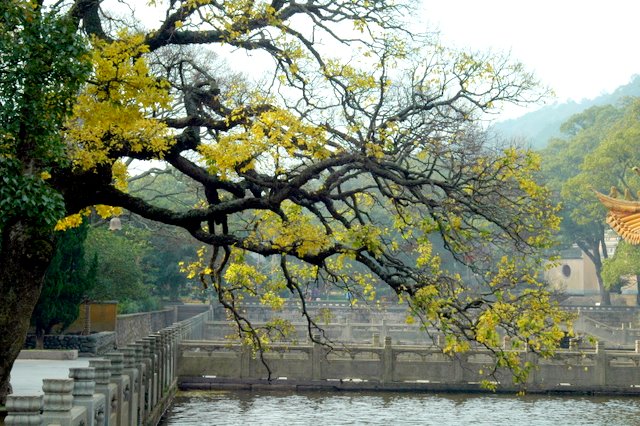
(39, 338)
(24, 256)
(592, 250)
(605, 295)
(638, 290)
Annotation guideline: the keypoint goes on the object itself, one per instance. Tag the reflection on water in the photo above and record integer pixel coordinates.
(347, 408)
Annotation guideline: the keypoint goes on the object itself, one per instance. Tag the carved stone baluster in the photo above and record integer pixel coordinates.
(131, 370)
(106, 388)
(58, 403)
(23, 410)
(84, 395)
(124, 386)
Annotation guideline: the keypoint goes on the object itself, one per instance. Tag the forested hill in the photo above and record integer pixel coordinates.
(536, 128)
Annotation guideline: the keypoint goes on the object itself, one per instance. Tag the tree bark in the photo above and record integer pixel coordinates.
(24, 257)
(39, 338)
(592, 250)
(605, 295)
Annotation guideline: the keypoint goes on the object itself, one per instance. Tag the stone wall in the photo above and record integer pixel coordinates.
(91, 345)
(132, 327)
(127, 329)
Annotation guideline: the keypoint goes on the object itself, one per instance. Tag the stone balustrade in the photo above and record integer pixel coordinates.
(383, 366)
(339, 332)
(133, 385)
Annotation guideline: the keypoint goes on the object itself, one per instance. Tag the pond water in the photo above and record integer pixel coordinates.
(355, 408)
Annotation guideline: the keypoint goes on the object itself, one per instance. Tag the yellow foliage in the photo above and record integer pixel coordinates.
(71, 221)
(114, 112)
(107, 211)
(75, 220)
(297, 233)
(275, 137)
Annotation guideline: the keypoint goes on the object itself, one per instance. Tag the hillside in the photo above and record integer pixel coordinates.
(537, 127)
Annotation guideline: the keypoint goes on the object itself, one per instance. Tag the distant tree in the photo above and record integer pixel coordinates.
(625, 261)
(67, 283)
(120, 256)
(573, 167)
(167, 248)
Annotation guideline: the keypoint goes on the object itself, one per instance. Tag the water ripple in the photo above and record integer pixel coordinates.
(323, 408)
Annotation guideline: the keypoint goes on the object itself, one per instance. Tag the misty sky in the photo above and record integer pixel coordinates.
(580, 49)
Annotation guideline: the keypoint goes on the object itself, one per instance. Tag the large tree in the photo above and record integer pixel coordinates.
(41, 71)
(353, 116)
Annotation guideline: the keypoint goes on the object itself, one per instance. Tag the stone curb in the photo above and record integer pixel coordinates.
(51, 354)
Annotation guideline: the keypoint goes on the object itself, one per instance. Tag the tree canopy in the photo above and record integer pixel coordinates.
(357, 144)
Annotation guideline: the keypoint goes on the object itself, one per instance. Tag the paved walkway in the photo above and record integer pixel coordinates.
(27, 374)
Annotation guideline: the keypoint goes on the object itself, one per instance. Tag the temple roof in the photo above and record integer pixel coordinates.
(623, 217)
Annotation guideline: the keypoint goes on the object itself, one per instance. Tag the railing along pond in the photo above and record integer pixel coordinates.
(385, 366)
(131, 386)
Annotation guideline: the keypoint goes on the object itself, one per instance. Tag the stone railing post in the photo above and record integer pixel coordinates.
(124, 386)
(161, 364)
(375, 341)
(193, 326)
(245, 361)
(155, 386)
(347, 332)
(105, 387)
(458, 369)
(84, 395)
(387, 359)
(148, 357)
(142, 380)
(601, 363)
(58, 406)
(317, 355)
(162, 354)
(573, 344)
(132, 371)
(166, 362)
(168, 335)
(384, 330)
(166, 344)
(173, 343)
(23, 410)
(532, 378)
(506, 343)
